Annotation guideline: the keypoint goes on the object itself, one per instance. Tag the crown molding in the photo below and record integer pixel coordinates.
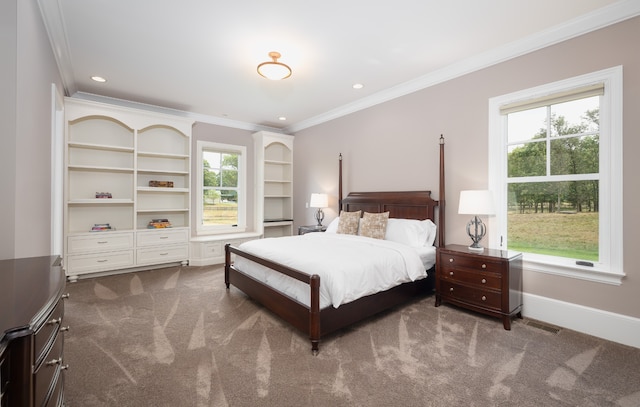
(576, 27)
(54, 24)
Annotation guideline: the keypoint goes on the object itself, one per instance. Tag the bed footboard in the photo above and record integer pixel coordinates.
(305, 318)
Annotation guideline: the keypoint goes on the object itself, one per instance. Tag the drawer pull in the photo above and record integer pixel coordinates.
(65, 296)
(164, 254)
(484, 281)
(164, 237)
(451, 289)
(54, 321)
(451, 273)
(450, 260)
(484, 266)
(484, 298)
(64, 329)
(54, 362)
(102, 242)
(102, 261)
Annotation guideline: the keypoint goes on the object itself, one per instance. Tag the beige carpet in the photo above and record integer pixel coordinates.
(177, 337)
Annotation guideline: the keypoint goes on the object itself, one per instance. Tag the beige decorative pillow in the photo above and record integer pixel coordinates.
(348, 224)
(374, 225)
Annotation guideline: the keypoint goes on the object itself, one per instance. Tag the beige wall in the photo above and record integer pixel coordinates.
(393, 146)
(27, 70)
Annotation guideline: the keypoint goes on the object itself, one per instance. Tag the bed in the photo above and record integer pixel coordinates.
(313, 314)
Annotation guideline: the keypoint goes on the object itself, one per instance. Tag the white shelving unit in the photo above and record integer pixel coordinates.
(274, 183)
(116, 150)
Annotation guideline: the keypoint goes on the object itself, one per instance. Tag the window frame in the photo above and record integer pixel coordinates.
(609, 268)
(241, 226)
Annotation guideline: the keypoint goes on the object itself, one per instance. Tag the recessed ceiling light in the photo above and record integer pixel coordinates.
(358, 86)
(98, 79)
(282, 118)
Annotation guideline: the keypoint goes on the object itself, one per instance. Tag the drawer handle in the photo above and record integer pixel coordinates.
(64, 329)
(451, 289)
(164, 254)
(102, 261)
(54, 321)
(484, 266)
(66, 296)
(450, 260)
(484, 298)
(484, 281)
(102, 241)
(54, 362)
(164, 237)
(451, 273)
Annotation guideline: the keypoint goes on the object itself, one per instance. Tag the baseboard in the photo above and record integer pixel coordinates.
(603, 324)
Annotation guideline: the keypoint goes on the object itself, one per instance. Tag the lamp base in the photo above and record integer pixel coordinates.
(478, 249)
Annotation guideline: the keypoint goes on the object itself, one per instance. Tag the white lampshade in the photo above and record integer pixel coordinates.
(476, 202)
(319, 201)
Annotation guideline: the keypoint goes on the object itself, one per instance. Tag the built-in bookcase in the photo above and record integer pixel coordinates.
(124, 169)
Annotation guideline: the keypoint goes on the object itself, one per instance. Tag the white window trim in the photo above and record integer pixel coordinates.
(242, 199)
(610, 267)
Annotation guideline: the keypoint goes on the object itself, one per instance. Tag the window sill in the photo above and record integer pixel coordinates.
(596, 274)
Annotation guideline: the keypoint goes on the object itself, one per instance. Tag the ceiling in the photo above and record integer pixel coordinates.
(200, 56)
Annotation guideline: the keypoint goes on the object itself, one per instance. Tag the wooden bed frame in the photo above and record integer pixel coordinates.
(318, 322)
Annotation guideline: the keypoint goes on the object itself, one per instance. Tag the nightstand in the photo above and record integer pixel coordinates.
(312, 228)
(489, 282)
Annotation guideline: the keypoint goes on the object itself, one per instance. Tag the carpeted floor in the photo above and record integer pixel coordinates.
(177, 337)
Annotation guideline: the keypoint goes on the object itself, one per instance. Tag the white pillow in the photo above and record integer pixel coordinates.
(411, 232)
(333, 226)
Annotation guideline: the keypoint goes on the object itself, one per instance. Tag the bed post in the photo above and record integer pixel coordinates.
(339, 184)
(441, 203)
(314, 313)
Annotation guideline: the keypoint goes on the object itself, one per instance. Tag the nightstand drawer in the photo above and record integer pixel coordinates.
(488, 280)
(480, 264)
(483, 298)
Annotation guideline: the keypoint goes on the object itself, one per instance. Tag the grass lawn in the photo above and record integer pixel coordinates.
(567, 235)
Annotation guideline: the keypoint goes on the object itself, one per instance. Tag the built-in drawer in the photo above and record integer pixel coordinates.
(87, 263)
(163, 254)
(471, 295)
(48, 331)
(452, 260)
(161, 237)
(490, 280)
(99, 241)
(48, 373)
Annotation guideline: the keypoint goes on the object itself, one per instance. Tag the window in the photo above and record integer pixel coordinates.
(221, 188)
(556, 172)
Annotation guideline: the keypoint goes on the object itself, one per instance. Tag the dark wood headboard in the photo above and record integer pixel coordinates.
(400, 204)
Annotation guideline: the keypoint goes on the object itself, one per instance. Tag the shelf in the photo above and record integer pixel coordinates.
(144, 171)
(162, 210)
(98, 169)
(275, 162)
(104, 147)
(162, 155)
(277, 196)
(100, 201)
(277, 181)
(159, 189)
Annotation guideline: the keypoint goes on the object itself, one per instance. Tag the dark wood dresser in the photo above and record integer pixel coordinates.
(489, 282)
(32, 339)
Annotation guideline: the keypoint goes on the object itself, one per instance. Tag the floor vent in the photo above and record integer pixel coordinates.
(545, 327)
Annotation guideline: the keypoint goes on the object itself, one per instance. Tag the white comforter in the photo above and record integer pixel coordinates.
(349, 266)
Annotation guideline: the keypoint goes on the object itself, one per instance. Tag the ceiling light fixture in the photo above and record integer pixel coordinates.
(98, 79)
(274, 70)
(358, 86)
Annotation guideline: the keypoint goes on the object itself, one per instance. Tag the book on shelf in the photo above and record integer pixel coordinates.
(101, 227)
(159, 224)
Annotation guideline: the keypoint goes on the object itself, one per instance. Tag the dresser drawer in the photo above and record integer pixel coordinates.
(477, 278)
(163, 254)
(48, 331)
(471, 295)
(162, 237)
(449, 260)
(48, 373)
(87, 263)
(99, 241)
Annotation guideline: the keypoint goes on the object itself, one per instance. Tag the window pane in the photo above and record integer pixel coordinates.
(527, 160)
(576, 116)
(554, 218)
(220, 212)
(527, 125)
(575, 155)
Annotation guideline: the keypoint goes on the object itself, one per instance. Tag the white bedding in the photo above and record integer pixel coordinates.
(349, 266)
